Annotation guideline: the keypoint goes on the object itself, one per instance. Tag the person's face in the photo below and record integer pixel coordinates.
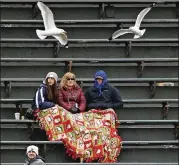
(70, 81)
(99, 80)
(31, 154)
(51, 81)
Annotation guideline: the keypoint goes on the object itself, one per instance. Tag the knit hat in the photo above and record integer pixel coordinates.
(52, 75)
(33, 148)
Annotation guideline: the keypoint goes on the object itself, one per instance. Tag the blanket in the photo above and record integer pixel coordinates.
(89, 135)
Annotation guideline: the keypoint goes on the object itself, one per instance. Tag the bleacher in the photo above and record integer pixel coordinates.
(145, 71)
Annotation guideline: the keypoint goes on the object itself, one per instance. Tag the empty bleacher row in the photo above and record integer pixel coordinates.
(83, 29)
(90, 9)
(144, 70)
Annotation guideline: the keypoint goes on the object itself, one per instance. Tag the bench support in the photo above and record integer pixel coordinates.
(165, 110)
(56, 47)
(140, 68)
(68, 66)
(128, 47)
(176, 131)
(177, 10)
(152, 87)
(34, 11)
(7, 88)
(101, 11)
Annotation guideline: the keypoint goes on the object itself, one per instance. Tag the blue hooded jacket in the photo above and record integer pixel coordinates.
(103, 75)
(102, 96)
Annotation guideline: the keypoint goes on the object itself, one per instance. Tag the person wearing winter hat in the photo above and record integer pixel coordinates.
(102, 95)
(33, 157)
(45, 97)
(46, 94)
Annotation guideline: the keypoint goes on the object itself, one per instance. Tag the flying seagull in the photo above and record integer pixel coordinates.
(134, 29)
(50, 27)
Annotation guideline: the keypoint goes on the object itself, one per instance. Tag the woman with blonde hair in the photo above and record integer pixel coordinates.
(70, 95)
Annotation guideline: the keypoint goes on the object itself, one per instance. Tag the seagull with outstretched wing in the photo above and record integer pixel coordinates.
(50, 27)
(136, 28)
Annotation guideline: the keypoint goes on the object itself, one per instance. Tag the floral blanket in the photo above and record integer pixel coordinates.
(89, 135)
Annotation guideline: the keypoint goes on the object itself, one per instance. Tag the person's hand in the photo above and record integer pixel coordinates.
(74, 110)
(56, 105)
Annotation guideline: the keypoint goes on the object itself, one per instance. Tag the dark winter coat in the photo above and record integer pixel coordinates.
(110, 98)
(41, 100)
(103, 96)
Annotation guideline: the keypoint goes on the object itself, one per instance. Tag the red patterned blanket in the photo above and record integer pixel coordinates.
(89, 135)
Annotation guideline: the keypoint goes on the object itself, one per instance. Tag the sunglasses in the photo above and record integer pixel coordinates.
(70, 79)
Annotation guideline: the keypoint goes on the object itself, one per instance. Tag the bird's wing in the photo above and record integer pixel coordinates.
(142, 14)
(62, 38)
(120, 32)
(47, 16)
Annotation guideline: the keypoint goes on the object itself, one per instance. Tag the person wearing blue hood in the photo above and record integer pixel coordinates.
(102, 95)
(33, 157)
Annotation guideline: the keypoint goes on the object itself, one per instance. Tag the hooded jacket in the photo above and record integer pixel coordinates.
(103, 96)
(41, 101)
(37, 161)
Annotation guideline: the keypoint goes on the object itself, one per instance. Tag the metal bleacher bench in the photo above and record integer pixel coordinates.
(68, 63)
(96, 163)
(82, 60)
(129, 101)
(131, 163)
(153, 82)
(141, 62)
(124, 143)
(172, 144)
(78, 41)
(85, 1)
(126, 43)
(92, 23)
(164, 102)
(173, 124)
(122, 122)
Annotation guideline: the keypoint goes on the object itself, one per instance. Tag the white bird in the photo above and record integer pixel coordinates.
(50, 27)
(134, 29)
